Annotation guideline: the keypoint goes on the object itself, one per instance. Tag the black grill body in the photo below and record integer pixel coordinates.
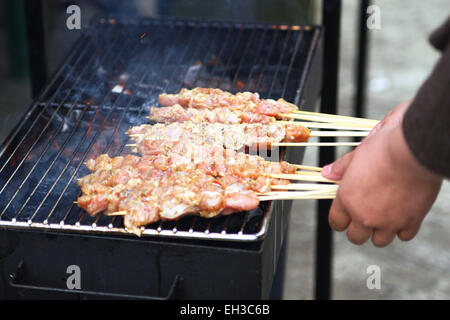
(113, 74)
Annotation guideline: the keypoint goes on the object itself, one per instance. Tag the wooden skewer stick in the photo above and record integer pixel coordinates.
(311, 168)
(298, 195)
(303, 194)
(308, 173)
(303, 167)
(330, 125)
(367, 124)
(305, 186)
(336, 116)
(360, 124)
(338, 134)
(117, 213)
(314, 144)
(295, 197)
(300, 177)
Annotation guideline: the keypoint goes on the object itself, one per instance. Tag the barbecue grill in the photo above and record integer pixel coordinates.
(113, 74)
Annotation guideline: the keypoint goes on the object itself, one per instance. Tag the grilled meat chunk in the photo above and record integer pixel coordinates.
(208, 98)
(177, 113)
(230, 136)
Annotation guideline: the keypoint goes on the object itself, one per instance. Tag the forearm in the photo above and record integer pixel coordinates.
(426, 124)
(406, 162)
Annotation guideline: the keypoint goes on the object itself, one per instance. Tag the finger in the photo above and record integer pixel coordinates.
(375, 129)
(357, 233)
(336, 170)
(382, 237)
(408, 233)
(338, 218)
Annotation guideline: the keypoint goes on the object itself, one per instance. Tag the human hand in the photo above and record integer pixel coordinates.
(383, 191)
(393, 118)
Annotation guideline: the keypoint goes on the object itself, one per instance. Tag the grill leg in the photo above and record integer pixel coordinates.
(331, 22)
(36, 45)
(276, 293)
(361, 70)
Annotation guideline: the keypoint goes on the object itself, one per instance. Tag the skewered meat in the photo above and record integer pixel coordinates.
(169, 186)
(208, 98)
(230, 136)
(217, 161)
(177, 113)
(225, 163)
(177, 175)
(156, 187)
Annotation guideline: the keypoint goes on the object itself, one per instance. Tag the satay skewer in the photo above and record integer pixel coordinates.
(310, 192)
(330, 124)
(337, 124)
(143, 176)
(298, 144)
(247, 102)
(326, 194)
(316, 121)
(286, 195)
(312, 134)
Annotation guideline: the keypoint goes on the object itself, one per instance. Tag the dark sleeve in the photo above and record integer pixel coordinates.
(426, 124)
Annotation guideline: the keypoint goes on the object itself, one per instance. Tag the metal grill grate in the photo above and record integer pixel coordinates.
(115, 72)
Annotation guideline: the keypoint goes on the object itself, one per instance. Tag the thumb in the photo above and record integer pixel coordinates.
(336, 170)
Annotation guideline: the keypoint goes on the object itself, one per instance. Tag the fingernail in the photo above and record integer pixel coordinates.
(326, 171)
